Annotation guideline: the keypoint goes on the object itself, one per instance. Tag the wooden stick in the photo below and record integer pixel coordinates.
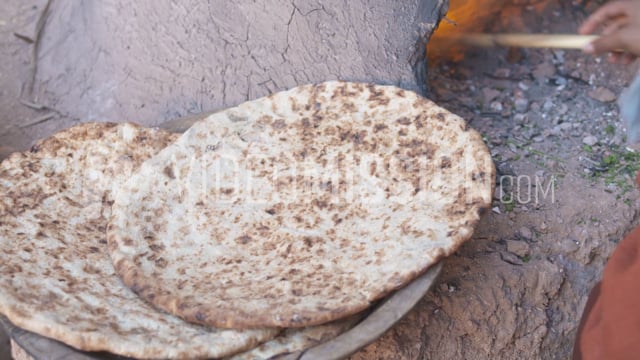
(560, 41)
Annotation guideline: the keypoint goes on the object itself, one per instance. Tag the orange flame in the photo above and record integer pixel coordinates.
(466, 16)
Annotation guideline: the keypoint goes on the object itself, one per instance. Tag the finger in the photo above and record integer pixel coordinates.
(615, 57)
(614, 25)
(607, 11)
(604, 44)
(627, 58)
(612, 58)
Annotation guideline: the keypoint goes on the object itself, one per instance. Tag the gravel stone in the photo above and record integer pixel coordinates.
(522, 105)
(590, 140)
(525, 233)
(602, 94)
(519, 248)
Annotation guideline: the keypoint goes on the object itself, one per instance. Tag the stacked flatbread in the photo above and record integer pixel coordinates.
(57, 279)
(294, 211)
(305, 206)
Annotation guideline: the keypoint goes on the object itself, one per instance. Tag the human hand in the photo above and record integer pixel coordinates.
(620, 23)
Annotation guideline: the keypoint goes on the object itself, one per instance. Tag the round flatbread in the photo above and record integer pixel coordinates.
(301, 207)
(56, 277)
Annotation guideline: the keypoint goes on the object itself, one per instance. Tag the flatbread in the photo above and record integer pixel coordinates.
(303, 207)
(295, 340)
(56, 278)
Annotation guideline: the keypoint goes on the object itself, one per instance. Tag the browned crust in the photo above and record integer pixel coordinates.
(466, 212)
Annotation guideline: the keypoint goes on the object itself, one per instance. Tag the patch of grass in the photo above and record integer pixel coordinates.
(525, 258)
(620, 169)
(515, 144)
(610, 129)
(588, 148)
(544, 156)
(508, 207)
(540, 158)
(508, 202)
(611, 160)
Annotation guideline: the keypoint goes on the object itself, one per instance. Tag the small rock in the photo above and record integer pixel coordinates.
(467, 102)
(602, 94)
(535, 106)
(548, 105)
(521, 118)
(497, 193)
(559, 56)
(496, 210)
(496, 106)
(443, 287)
(523, 86)
(504, 168)
(569, 245)
(527, 134)
(522, 105)
(502, 73)
(581, 234)
(590, 140)
(443, 94)
(562, 109)
(544, 226)
(511, 258)
(509, 156)
(566, 126)
(519, 248)
(560, 81)
(577, 74)
(538, 139)
(489, 94)
(617, 140)
(525, 233)
(543, 71)
(553, 165)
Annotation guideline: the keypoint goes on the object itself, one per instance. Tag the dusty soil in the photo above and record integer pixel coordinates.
(565, 194)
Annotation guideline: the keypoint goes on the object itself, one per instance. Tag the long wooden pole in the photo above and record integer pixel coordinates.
(561, 41)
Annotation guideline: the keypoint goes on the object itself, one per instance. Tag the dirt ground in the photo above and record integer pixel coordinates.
(564, 199)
